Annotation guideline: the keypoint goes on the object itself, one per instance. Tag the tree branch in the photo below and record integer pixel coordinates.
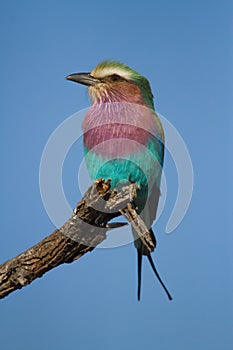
(80, 234)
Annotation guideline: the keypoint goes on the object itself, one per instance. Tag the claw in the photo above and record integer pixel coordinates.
(115, 225)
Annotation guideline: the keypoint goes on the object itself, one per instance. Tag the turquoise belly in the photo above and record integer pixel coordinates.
(143, 168)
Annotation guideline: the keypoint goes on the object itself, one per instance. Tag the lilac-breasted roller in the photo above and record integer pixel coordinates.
(124, 140)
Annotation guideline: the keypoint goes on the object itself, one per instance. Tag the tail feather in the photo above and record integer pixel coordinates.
(139, 273)
(142, 249)
(157, 275)
(146, 243)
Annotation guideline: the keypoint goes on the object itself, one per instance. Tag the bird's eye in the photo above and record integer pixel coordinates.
(115, 77)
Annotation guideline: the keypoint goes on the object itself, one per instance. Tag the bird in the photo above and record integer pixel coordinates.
(124, 141)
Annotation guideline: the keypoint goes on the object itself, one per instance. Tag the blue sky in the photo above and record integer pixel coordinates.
(185, 50)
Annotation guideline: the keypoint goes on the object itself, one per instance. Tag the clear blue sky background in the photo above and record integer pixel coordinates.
(185, 49)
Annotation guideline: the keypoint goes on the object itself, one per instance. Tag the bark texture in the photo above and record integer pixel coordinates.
(80, 234)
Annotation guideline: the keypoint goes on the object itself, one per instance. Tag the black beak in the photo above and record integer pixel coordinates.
(83, 78)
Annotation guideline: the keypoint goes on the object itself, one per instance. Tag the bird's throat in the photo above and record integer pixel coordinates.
(118, 92)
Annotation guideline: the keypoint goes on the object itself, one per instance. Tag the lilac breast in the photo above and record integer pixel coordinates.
(116, 130)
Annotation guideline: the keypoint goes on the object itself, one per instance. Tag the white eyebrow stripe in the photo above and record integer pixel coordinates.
(104, 72)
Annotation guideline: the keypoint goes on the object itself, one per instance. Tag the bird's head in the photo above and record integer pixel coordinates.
(112, 81)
